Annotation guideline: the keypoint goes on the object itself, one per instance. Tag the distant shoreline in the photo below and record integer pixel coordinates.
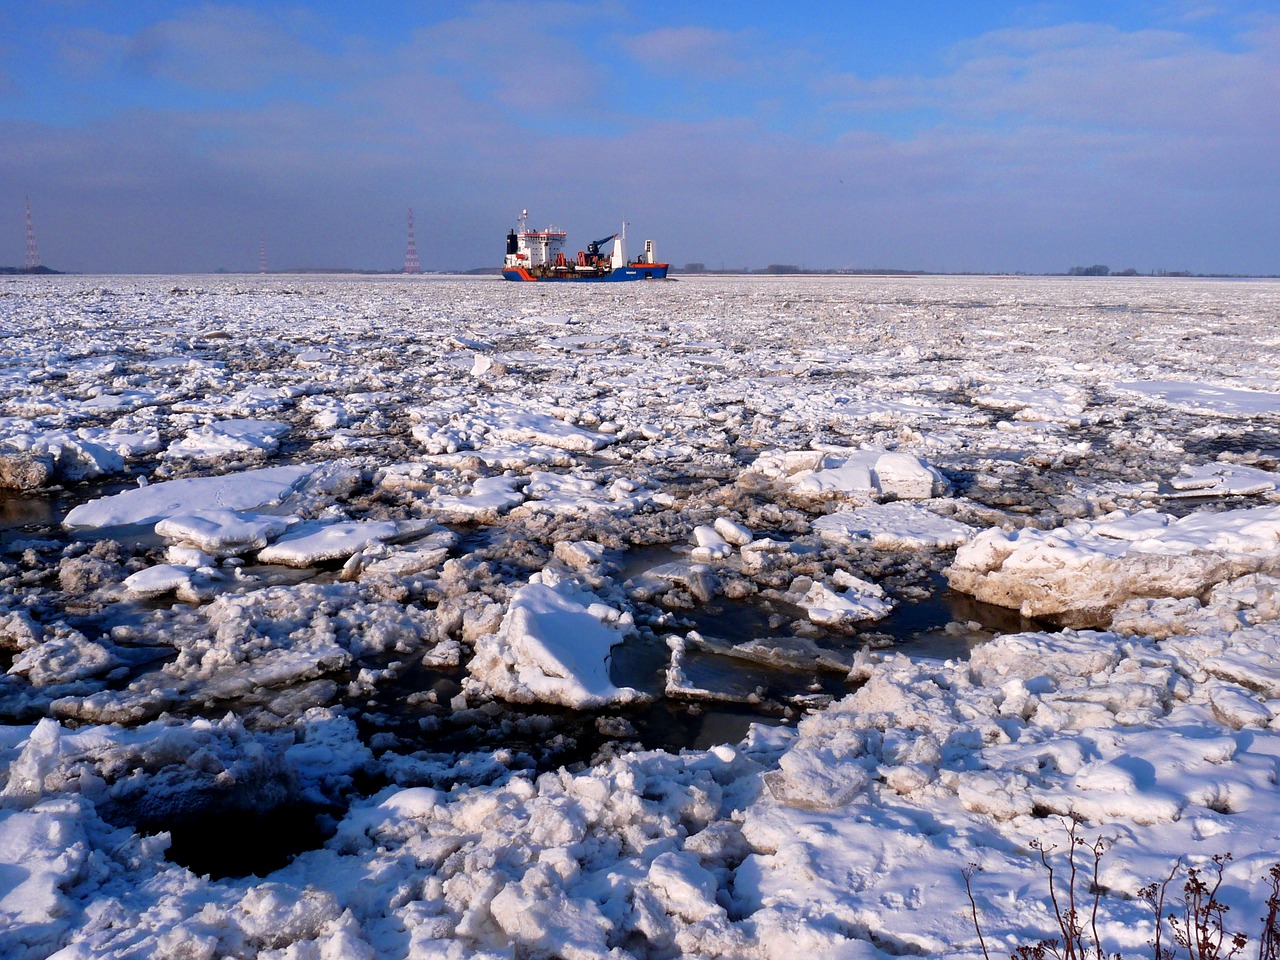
(677, 272)
(24, 272)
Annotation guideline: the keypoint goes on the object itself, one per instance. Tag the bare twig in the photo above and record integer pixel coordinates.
(1201, 928)
(1097, 848)
(1269, 942)
(968, 873)
(1154, 893)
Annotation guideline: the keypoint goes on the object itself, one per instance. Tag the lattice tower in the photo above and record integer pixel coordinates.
(411, 264)
(33, 252)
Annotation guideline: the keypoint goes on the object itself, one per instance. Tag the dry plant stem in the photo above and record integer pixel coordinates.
(1269, 943)
(1098, 848)
(967, 873)
(1071, 922)
(1201, 928)
(1155, 893)
(1053, 893)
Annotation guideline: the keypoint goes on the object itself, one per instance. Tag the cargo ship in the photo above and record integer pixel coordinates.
(538, 255)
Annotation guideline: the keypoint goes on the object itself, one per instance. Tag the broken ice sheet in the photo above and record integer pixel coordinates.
(741, 849)
(1222, 480)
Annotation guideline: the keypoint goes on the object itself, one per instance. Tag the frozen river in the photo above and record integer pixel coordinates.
(727, 617)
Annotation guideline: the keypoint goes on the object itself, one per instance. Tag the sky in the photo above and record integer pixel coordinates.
(171, 137)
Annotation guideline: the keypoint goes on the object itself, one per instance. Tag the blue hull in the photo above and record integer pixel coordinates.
(633, 271)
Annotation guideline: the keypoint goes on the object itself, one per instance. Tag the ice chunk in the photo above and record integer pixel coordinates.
(544, 428)
(223, 532)
(553, 647)
(158, 580)
(248, 490)
(877, 472)
(488, 498)
(314, 541)
(1083, 571)
(709, 545)
(579, 554)
(854, 601)
(685, 887)
(733, 532)
(894, 526)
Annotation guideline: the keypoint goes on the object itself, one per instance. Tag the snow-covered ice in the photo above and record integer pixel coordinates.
(248, 490)
(671, 510)
(312, 541)
(553, 647)
(222, 531)
(1085, 569)
(894, 525)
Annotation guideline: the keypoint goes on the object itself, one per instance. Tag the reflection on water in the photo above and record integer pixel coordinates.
(24, 510)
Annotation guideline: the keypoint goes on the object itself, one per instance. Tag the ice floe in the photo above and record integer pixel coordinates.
(553, 647)
(882, 473)
(314, 541)
(894, 526)
(248, 490)
(1206, 398)
(1084, 570)
(222, 532)
(673, 510)
(227, 437)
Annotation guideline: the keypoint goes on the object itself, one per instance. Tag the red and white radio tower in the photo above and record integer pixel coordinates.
(262, 256)
(33, 252)
(411, 264)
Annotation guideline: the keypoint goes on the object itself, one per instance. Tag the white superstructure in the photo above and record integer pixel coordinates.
(535, 248)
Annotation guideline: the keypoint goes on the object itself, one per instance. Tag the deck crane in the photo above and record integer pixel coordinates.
(593, 248)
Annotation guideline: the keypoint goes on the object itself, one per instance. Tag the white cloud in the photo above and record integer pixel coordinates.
(691, 50)
(224, 48)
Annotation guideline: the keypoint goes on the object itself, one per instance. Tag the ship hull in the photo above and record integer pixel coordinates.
(632, 271)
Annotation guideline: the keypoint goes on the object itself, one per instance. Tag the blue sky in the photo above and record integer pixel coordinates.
(171, 137)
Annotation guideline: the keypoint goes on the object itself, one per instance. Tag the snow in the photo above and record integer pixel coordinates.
(248, 490)
(312, 542)
(759, 476)
(222, 531)
(894, 526)
(552, 647)
(1085, 569)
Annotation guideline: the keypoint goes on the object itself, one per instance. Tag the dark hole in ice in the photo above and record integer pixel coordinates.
(245, 842)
